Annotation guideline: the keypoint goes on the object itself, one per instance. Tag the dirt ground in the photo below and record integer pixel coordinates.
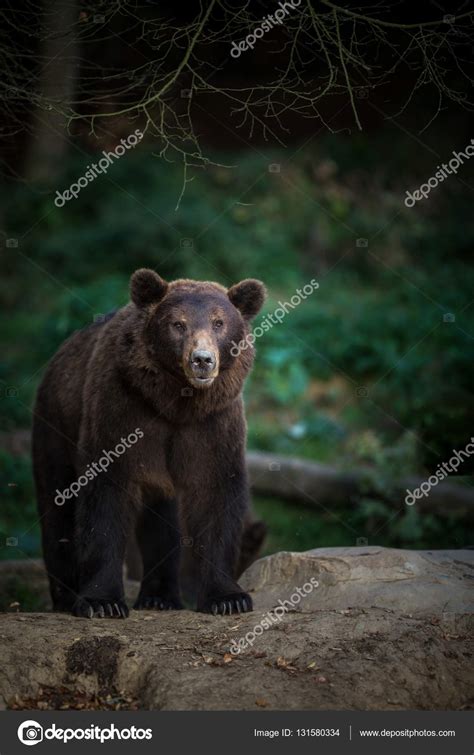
(352, 659)
(384, 629)
(359, 656)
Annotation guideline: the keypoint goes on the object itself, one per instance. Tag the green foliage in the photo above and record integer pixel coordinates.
(19, 529)
(298, 527)
(365, 371)
(16, 591)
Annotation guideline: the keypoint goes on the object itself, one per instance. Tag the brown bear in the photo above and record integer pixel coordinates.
(139, 422)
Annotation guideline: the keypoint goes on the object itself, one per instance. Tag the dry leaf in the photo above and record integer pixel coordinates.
(284, 664)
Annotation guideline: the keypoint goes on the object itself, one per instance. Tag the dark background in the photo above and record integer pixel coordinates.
(288, 164)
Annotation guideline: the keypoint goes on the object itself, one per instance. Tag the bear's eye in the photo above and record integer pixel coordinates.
(218, 324)
(179, 326)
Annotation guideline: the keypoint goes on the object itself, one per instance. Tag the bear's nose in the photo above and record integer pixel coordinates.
(202, 360)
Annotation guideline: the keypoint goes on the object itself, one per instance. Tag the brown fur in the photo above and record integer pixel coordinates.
(184, 482)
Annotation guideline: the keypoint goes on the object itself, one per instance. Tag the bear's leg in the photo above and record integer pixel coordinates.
(58, 552)
(253, 537)
(213, 520)
(103, 518)
(159, 539)
(53, 472)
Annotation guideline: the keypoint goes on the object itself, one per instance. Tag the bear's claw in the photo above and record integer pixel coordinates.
(229, 604)
(101, 608)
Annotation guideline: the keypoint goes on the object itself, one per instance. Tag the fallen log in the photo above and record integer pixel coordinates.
(317, 484)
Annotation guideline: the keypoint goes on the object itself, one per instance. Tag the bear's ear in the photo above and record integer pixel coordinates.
(146, 287)
(248, 296)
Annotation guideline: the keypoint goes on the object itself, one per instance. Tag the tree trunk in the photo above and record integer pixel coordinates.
(59, 61)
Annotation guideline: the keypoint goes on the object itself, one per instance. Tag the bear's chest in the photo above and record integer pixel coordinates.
(151, 464)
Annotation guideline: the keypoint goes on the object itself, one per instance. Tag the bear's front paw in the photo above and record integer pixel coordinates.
(157, 603)
(102, 608)
(236, 602)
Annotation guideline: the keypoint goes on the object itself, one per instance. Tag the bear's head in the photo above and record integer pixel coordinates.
(190, 327)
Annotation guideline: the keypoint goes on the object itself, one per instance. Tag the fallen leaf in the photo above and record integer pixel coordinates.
(284, 664)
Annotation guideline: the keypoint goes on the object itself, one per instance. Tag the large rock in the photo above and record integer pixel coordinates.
(415, 582)
(384, 629)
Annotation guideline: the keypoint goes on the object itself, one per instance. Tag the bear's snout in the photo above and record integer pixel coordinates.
(203, 366)
(202, 361)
